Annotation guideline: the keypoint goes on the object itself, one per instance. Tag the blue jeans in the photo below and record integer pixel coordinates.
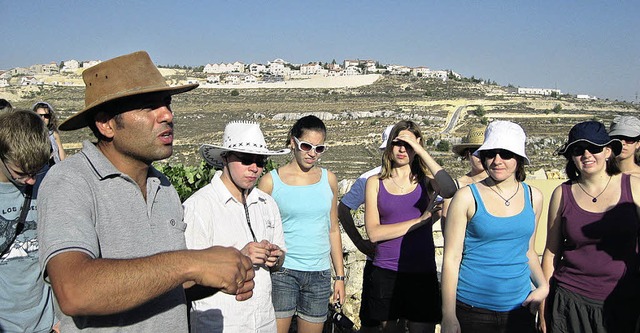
(303, 293)
(478, 320)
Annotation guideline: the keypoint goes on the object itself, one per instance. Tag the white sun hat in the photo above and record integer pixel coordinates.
(502, 134)
(385, 136)
(242, 137)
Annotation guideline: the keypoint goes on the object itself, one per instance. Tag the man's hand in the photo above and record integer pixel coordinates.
(227, 269)
(257, 252)
(275, 253)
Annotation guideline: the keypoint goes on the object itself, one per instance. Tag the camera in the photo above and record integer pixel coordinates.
(338, 318)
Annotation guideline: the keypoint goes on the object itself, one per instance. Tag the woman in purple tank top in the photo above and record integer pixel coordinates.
(399, 203)
(591, 256)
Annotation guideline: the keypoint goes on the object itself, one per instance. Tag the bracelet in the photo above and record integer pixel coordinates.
(339, 277)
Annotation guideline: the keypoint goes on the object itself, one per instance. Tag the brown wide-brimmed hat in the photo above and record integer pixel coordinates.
(474, 139)
(124, 76)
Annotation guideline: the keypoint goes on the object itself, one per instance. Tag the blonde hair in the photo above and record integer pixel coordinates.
(419, 170)
(24, 140)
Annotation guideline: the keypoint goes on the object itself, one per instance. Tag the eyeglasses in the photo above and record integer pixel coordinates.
(626, 139)
(306, 146)
(504, 154)
(578, 150)
(45, 115)
(249, 159)
(20, 177)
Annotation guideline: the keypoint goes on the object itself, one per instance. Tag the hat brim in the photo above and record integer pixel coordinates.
(84, 117)
(616, 146)
(459, 149)
(212, 153)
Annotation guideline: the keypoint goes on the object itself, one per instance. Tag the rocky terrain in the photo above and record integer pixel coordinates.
(355, 116)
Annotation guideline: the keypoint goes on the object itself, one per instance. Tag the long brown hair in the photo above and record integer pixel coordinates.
(419, 170)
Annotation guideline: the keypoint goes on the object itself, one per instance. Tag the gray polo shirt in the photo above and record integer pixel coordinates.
(87, 205)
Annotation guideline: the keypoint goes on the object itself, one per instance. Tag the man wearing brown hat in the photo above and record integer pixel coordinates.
(112, 237)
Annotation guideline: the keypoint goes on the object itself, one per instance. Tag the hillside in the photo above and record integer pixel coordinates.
(355, 116)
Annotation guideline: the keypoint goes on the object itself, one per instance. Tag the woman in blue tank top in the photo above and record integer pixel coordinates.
(307, 198)
(399, 204)
(489, 256)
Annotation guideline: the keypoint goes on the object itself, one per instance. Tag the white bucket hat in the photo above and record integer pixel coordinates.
(502, 134)
(385, 136)
(242, 137)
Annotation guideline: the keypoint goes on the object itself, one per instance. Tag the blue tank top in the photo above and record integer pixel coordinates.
(494, 272)
(305, 212)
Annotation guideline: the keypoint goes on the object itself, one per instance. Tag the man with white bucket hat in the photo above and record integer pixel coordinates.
(111, 226)
(231, 211)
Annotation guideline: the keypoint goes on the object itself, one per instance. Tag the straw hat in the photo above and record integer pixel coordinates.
(591, 132)
(124, 76)
(474, 139)
(242, 137)
(502, 134)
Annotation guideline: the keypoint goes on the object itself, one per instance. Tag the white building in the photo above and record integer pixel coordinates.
(257, 69)
(535, 91)
(70, 66)
(236, 67)
(90, 63)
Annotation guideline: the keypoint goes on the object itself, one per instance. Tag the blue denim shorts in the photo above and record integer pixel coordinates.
(303, 293)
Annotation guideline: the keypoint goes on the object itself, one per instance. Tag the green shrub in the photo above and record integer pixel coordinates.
(235, 92)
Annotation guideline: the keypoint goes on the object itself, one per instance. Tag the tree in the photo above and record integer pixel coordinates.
(443, 145)
(235, 92)
(557, 108)
(480, 112)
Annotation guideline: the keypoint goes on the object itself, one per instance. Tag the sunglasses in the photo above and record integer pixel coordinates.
(306, 146)
(504, 154)
(626, 139)
(45, 115)
(399, 143)
(249, 159)
(578, 150)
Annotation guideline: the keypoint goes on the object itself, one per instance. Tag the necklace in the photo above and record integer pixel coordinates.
(595, 199)
(400, 187)
(507, 202)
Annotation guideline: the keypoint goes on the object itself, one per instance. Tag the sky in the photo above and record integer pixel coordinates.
(580, 47)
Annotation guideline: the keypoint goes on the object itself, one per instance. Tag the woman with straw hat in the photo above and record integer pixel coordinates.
(489, 256)
(591, 256)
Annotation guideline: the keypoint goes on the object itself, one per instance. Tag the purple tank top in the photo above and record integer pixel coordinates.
(599, 256)
(413, 252)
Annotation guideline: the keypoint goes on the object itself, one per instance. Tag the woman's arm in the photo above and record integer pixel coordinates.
(339, 294)
(537, 296)
(458, 217)
(376, 231)
(61, 152)
(551, 253)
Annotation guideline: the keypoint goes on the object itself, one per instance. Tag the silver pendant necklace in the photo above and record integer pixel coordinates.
(594, 199)
(507, 202)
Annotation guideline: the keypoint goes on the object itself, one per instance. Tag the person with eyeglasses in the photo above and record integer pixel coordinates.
(400, 209)
(307, 197)
(627, 130)
(46, 113)
(490, 260)
(26, 302)
(230, 211)
(591, 254)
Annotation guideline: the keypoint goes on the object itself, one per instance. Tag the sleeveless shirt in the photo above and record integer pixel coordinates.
(413, 252)
(305, 212)
(494, 272)
(600, 251)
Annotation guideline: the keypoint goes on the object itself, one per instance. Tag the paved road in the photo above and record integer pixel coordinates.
(454, 119)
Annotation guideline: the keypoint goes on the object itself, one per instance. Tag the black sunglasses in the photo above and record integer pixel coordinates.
(504, 154)
(45, 115)
(626, 139)
(578, 150)
(248, 159)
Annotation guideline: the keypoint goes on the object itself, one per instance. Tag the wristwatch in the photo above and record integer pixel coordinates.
(339, 277)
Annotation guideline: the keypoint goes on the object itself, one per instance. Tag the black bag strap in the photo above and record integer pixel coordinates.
(19, 224)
